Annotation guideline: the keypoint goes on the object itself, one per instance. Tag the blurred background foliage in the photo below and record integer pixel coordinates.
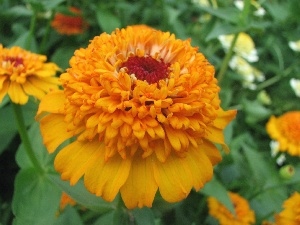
(249, 169)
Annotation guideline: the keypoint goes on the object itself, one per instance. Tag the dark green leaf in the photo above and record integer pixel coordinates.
(69, 216)
(107, 21)
(215, 188)
(143, 216)
(36, 199)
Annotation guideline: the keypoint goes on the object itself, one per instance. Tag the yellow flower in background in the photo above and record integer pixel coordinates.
(285, 129)
(24, 74)
(143, 113)
(249, 73)
(295, 84)
(244, 46)
(291, 212)
(295, 45)
(244, 215)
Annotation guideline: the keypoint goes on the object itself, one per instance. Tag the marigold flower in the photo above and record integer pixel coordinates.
(145, 111)
(244, 46)
(69, 24)
(291, 213)
(244, 215)
(286, 130)
(23, 73)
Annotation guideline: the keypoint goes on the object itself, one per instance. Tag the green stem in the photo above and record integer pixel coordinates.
(31, 31)
(46, 35)
(225, 62)
(24, 137)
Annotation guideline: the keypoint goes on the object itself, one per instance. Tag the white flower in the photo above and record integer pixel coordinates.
(295, 84)
(274, 145)
(244, 46)
(295, 45)
(260, 11)
(249, 73)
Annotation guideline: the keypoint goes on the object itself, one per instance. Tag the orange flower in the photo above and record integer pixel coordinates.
(66, 200)
(145, 111)
(243, 213)
(291, 213)
(285, 130)
(69, 24)
(23, 73)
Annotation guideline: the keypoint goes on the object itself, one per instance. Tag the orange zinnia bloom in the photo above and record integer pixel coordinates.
(243, 213)
(23, 73)
(285, 130)
(66, 200)
(145, 111)
(69, 24)
(291, 213)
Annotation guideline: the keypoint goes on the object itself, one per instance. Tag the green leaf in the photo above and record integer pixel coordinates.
(106, 219)
(107, 21)
(216, 189)
(45, 159)
(80, 194)
(62, 56)
(35, 200)
(69, 216)
(227, 14)
(255, 111)
(143, 216)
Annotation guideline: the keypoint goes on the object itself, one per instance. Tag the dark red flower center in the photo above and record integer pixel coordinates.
(16, 61)
(147, 68)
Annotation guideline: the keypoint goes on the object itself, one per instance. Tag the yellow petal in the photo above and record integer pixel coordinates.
(30, 89)
(178, 175)
(16, 93)
(140, 187)
(105, 177)
(54, 131)
(211, 151)
(53, 102)
(3, 90)
(223, 118)
(74, 160)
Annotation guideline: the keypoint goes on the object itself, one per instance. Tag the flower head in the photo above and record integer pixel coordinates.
(249, 73)
(24, 74)
(244, 215)
(295, 45)
(285, 130)
(295, 84)
(291, 213)
(69, 24)
(145, 112)
(244, 46)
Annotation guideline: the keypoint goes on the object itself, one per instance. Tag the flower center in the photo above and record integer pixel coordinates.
(291, 126)
(147, 68)
(15, 61)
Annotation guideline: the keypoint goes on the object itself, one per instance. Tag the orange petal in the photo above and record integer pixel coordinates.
(74, 160)
(216, 135)
(54, 131)
(105, 177)
(16, 93)
(224, 118)
(3, 90)
(211, 151)
(53, 102)
(178, 175)
(140, 187)
(30, 89)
